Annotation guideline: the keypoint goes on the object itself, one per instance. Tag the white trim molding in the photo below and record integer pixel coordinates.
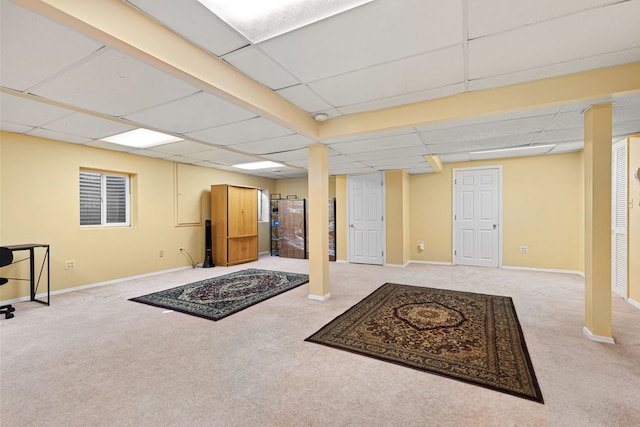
(598, 338)
(431, 262)
(546, 270)
(320, 297)
(398, 265)
(634, 303)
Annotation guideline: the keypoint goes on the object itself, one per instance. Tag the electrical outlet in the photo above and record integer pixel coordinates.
(524, 249)
(68, 265)
(421, 245)
(161, 254)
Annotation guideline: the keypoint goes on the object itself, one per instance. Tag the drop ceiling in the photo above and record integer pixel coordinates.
(63, 82)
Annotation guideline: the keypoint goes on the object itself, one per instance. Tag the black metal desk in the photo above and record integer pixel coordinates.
(32, 268)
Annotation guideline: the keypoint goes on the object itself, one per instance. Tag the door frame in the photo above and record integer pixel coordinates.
(383, 234)
(454, 207)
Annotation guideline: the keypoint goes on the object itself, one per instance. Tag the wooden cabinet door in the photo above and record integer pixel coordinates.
(242, 213)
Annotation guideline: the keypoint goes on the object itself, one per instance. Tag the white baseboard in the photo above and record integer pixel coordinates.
(547, 270)
(398, 265)
(598, 338)
(320, 298)
(634, 303)
(342, 261)
(430, 262)
(95, 285)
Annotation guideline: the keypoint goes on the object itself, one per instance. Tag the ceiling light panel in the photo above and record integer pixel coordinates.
(258, 165)
(34, 48)
(141, 138)
(192, 113)
(260, 20)
(386, 31)
(114, 83)
(193, 21)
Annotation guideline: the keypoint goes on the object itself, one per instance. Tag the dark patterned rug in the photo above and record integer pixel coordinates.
(470, 337)
(221, 296)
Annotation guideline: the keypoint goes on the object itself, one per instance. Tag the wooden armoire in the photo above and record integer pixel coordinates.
(234, 224)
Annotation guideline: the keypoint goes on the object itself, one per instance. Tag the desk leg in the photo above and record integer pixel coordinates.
(32, 274)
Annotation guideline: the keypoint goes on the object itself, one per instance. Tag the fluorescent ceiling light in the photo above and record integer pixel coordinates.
(257, 165)
(511, 152)
(141, 138)
(260, 20)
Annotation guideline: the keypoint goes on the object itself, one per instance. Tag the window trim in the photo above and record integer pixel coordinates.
(103, 205)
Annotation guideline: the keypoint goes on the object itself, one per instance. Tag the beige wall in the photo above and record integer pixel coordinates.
(542, 209)
(300, 187)
(634, 220)
(40, 203)
(397, 217)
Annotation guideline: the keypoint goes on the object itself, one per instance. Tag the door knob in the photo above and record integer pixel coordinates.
(351, 225)
(494, 226)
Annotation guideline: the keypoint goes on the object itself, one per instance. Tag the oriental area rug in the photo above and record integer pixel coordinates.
(218, 297)
(466, 336)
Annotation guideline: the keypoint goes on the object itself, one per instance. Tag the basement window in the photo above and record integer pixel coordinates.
(104, 199)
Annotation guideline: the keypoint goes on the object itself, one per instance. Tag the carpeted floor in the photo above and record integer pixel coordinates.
(219, 297)
(467, 336)
(95, 358)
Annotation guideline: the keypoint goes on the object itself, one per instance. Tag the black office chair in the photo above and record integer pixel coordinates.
(6, 258)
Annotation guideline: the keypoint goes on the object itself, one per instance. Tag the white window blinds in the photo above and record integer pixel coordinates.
(104, 199)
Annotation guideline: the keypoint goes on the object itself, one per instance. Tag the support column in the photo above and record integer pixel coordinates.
(597, 169)
(318, 167)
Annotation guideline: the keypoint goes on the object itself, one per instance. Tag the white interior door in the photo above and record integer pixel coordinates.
(476, 217)
(366, 219)
(619, 218)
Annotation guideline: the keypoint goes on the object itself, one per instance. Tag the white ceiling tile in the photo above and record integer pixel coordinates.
(420, 170)
(626, 128)
(556, 41)
(288, 156)
(88, 126)
(34, 48)
(114, 83)
(570, 119)
(361, 136)
(27, 112)
(489, 130)
(573, 66)
(410, 98)
(385, 31)
(194, 22)
(367, 145)
(454, 157)
(485, 144)
(392, 154)
(560, 135)
(304, 98)
(110, 146)
(213, 154)
(245, 131)
(261, 68)
(566, 147)
(181, 159)
(14, 127)
(192, 113)
(494, 16)
(275, 145)
(426, 71)
(182, 147)
(490, 119)
(58, 136)
(150, 153)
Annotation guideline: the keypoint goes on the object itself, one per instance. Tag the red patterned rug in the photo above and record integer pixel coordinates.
(475, 338)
